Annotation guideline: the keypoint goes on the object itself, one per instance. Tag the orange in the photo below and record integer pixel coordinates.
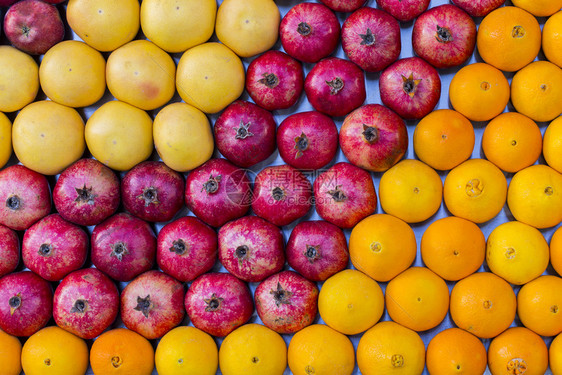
(453, 247)
(536, 91)
(350, 302)
(555, 355)
(539, 8)
(319, 349)
(455, 351)
(552, 38)
(509, 38)
(534, 196)
(479, 91)
(443, 139)
(382, 246)
(475, 190)
(411, 191)
(483, 304)
(10, 354)
(512, 141)
(539, 305)
(552, 144)
(390, 348)
(122, 351)
(518, 350)
(417, 298)
(556, 250)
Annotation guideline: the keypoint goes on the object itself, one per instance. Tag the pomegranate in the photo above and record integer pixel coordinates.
(26, 196)
(343, 5)
(87, 192)
(404, 10)
(478, 8)
(152, 191)
(218, 303)
(123, 246)
(152, 304)
(286, 302)
(218, 192)
(282, 194)
(251, 248)
(307, 140)
(9, 250)
(26, 303)
(186, 248)
(86, 302)
(373, 137)
(54, 247)
(317, 250)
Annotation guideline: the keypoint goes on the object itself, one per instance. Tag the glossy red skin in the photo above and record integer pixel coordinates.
(356, 184)
(138, 238)
(230, 201)
(265, 255)
(288, 85)
(322, 39)
(43, 22)
(478, 8)
(404, 10)
(201, 248)
(156, 178)
(9, 250)
(65, 244)
(33, 192)
(426, 93)
(322, 144)
(36, 305)
(343, 5)
(296, 190)
(382, 50)
(252, 149)
(286, 314)
(441, 55)
(166, 309)
(102, 201)
(235, 308)
(329, 256)
(319, 93)
(101, 303)
(390, 145)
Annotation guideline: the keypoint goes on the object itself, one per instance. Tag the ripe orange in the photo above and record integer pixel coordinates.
(552, 144)
(552, 38)
(556, 250)
(539, 303)
(455, 351)
(10, 354)
(539, 8)
(555, 355)
(518, 350)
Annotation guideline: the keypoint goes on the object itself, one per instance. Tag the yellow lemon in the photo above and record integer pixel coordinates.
(19, 79)
(5, 139)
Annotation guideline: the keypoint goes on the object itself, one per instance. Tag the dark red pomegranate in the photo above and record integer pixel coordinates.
(9, 250)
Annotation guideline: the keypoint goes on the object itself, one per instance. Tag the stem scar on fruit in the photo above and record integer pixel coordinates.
(443, 35)
(370, 133)
(13, 202)
(270, 80)
(301, 145)
(45, 250)
(312, 253)
(149, 195)
(337, 194)
(213, 303)
(336, 85)
(144, 305)
(118, 249)
(212, 185)
(80, 306)
(243, 130)
(304, 29)
(281, 296)
(409, 85)
(367, 39)
(179, 247)
(15, 303)
(85, 195)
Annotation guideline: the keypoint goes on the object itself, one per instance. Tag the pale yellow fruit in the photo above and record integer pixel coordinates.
(73, 74)
(104, 24)
(210, 76)
(176, 25)
(119, 135)
(182, 136)
(5, 139)
(48, 137)
(19, 79)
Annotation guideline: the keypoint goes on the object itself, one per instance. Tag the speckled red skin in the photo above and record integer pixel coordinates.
(386, 149)
(165, 305)
(430, 47)
(254, 148)
(478, 8)
(265, 248)
(317, 250)
(218, 303)
(320, 135)
(294, 199)
(100, 190)
(186, 248)
(286, 302)
(152, 191)
(375, 54)
(138, 238)
(343, 5)
(404, 10)
(323, 97)
(359, 199)
(230, 201)
(274, 80)
(30, 190)
(36, 305)
(426, 93)
(9, 250)
(86, 302)
(54, 247)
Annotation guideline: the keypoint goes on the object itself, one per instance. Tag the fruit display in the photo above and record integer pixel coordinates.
(280, 187)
